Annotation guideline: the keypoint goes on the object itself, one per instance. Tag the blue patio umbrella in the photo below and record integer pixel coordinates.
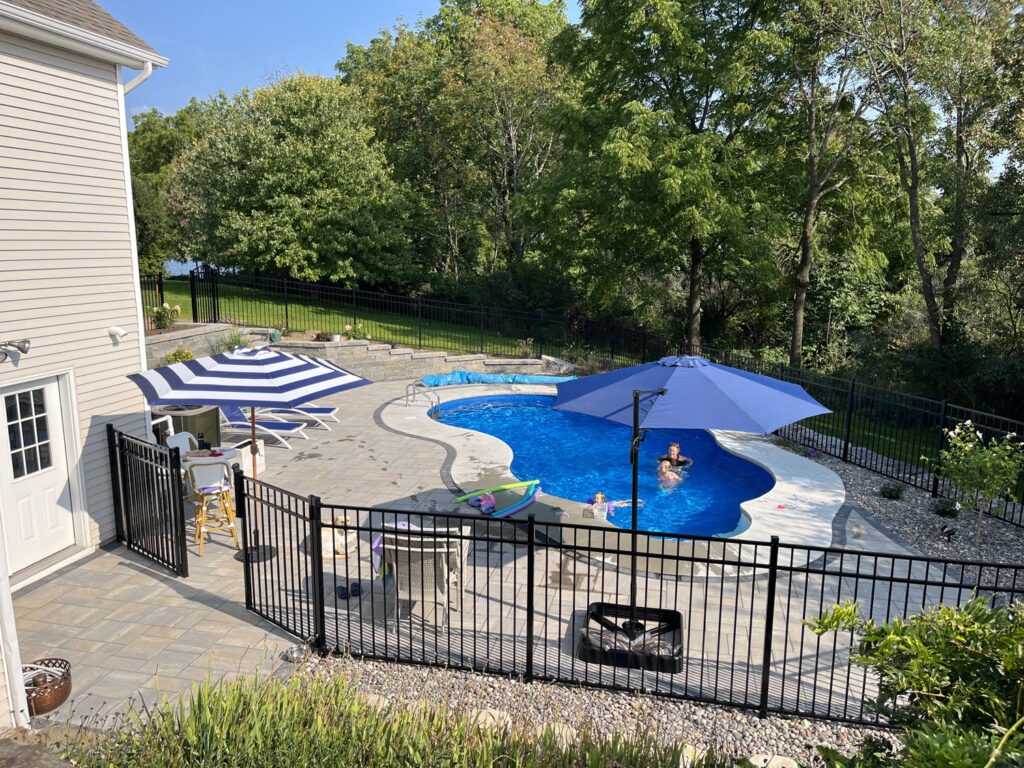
(684, 393)
(253, 377)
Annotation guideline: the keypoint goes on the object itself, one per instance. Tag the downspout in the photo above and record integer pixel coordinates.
(139, 79)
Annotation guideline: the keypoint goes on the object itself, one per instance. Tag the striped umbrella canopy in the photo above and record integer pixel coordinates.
(253, 377)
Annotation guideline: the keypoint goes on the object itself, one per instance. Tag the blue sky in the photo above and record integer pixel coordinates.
(227, 44)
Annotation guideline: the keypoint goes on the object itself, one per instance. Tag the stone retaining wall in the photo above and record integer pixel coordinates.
(377, 362)
(201, 340)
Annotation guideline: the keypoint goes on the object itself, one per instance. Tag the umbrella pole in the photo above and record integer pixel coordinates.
(252, 440)
(634, 627)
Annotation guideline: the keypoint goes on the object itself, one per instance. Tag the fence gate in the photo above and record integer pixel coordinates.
(204, 285)
(148, 503)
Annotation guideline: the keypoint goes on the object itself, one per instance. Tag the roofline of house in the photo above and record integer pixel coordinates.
(36, 26)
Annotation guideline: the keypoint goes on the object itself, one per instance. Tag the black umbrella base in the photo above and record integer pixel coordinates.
(653, 640)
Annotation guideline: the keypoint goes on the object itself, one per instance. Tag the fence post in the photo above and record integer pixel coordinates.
(769, 622)
(179, 513)
(214, 276)
(419, 321)
(195, 298)
(481, 309)
(115, 482)
(287, 322)
(159, 287)
(318, 640)
(241, 502)
(531, 533)
(938, 449)
(848, 427)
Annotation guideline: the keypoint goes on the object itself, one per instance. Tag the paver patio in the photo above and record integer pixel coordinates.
(130, 629)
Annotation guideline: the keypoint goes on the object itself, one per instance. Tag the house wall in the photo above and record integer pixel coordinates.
(67, 269)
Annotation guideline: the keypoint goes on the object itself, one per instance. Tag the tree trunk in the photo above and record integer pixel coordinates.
(803, 278)
(696, 283)
(958, 239)
(910, 176)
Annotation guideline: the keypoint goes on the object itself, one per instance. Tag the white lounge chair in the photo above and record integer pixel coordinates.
(320, 413)
(304, 414)
(425, 566)
(234, 419)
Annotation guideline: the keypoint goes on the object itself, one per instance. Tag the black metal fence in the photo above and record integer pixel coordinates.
(148, 499)
(515, 598)
(152, 289)
(892, 433)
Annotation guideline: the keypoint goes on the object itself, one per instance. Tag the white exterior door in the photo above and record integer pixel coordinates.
(35, 489)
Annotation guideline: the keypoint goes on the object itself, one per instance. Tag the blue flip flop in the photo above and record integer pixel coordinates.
(344, 593)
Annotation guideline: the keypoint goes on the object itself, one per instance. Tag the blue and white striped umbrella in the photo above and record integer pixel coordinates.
(257, 377)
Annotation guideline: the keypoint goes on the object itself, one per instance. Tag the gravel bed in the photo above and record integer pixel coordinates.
(730, 732)
(913, 519)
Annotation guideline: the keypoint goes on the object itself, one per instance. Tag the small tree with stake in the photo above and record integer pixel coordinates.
(984, 472)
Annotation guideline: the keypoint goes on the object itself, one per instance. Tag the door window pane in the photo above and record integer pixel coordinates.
(28, 431)
(17, 459)
(44, 456)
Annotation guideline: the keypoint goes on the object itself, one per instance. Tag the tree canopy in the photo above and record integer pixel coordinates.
(837, 183)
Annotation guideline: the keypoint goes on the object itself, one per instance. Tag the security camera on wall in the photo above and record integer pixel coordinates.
(116, 332)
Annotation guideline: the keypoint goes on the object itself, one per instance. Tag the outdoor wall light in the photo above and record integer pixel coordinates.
(21, 346)
(117, 332)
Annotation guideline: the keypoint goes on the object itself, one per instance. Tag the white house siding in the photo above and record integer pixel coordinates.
(66, 264)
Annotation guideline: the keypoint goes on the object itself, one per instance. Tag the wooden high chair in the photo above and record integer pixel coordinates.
(215, 510)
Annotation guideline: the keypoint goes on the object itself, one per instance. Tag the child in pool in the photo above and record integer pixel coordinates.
(602, 509)
(667, 477)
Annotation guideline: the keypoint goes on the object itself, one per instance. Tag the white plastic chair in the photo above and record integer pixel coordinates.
(183, 441)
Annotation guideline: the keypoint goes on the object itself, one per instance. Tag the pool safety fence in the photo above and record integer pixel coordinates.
(152, 290)
(897, 435)
(525, 599)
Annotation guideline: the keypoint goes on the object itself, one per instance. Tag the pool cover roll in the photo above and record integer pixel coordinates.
(472, 377)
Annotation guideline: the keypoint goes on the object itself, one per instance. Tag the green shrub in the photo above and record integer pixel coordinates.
(165, 315)
(231, 340)
(891, 490)
(307, 722)
(984, 472)
(953, 677)
(946, 508)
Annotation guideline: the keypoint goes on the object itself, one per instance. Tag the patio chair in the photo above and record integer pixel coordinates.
(305, 414)
(214, 508)
(421, 568)
(183, 441)
(233, 418)
(320, 413)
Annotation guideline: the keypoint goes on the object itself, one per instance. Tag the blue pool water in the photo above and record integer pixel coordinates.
(574, 455)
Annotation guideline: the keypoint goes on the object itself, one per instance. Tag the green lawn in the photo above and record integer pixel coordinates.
(248, 306)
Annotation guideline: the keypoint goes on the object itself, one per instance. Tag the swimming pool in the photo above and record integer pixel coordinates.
(574, 455)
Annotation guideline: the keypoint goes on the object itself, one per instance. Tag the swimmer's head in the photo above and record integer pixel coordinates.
(673, 449)
(664, 467)
(599, 498)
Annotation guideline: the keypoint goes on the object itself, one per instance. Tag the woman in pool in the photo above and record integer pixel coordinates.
(676, 459)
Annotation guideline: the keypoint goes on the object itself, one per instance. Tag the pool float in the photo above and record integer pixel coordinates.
(469, 496)
(532, 491)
